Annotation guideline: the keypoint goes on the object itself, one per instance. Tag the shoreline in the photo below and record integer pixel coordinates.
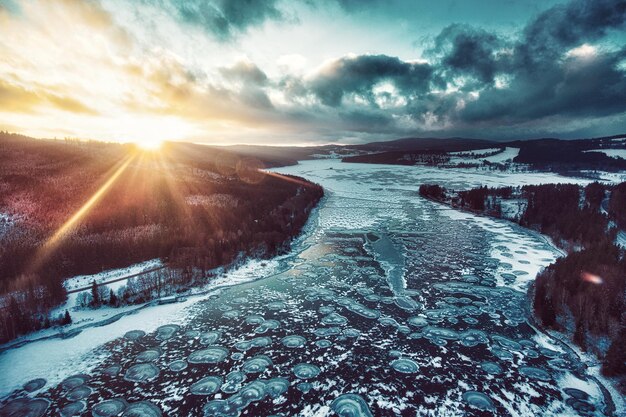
(305, 233)
(298, 246)
(610, 395)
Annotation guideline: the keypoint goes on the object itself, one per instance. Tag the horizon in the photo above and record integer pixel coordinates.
(283, 73)
(318, 145)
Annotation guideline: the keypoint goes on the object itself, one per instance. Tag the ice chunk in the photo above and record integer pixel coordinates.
(293, 341)
(405, 366)
(73, 409)
(257, 364)
(478, 400)
(134, 334)
(212, 354)
(79, 393)
(34, 384)
(536, 373)
(178, 365)
(109, 408)
(167, 332)
(209, 338)
(149, 355)
(305, 370)
(141, 372)
(350, 405)
(142, 409)
(207, 385)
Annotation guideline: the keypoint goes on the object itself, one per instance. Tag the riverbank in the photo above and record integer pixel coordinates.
(75, 351)
(614, 400)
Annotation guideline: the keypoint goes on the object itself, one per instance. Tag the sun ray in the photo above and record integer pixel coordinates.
(53, 242)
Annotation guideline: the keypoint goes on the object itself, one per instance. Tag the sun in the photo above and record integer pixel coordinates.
(149, 144)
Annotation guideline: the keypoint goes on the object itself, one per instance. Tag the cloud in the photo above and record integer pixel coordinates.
(222, 18)
(358, 75)
(245, 72)
(546, 79)
(17, 99)
(464, 50)
(477, 79)
(88, 65)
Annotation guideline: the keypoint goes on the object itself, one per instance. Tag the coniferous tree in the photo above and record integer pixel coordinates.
(112, 298)
(67, 319)
(95, 295)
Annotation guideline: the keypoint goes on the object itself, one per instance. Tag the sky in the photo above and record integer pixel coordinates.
(312, 71)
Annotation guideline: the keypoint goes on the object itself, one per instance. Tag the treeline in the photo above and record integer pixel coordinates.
(556, 210)
(582, 294)
(195, 207)
(425, 157)
(558, 155)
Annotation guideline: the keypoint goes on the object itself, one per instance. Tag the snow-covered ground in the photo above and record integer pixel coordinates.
(83, 281)
(613, 153)
(520, 258)
(58, 358)
(506, 155)
(7, 222)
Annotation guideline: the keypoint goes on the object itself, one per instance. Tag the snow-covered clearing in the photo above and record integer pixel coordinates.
(477, 156)
(613, 153)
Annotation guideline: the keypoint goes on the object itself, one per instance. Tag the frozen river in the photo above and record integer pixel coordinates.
(389, 305)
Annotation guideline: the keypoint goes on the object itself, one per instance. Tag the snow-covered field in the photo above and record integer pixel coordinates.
(613, 153)
(84, 281)
(506, 155)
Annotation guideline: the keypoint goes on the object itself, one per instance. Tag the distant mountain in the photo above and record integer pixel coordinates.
(544, 153)
(427, 144)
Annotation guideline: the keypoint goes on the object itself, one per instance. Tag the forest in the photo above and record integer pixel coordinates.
(69, 207)
(581, 294)
(545, 154)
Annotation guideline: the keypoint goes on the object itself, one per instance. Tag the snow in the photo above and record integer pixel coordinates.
(512, 246)
(613, 153)
(58, 358)
(382, 196)
(507, 155)
(83, 281)
(476, 156)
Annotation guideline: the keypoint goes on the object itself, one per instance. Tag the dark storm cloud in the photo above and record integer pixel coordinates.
(359, 74)
(567, 25)
(347, 5)
(252, 80)
(223, 18)
(463, 49)
(478, 78)
(545, 81)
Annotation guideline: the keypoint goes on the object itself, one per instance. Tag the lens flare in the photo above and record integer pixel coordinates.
(149, 144)
(50, 245)
(592, 278)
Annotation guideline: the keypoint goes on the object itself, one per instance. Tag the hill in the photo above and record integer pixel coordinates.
(69, 207)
